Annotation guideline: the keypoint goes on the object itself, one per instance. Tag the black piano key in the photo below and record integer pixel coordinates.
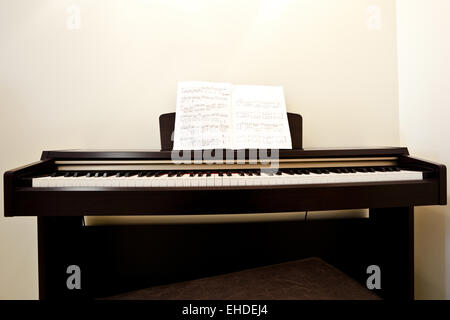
(180, 174)
(150, 174)
(129, 174)
(229, 174)
(371, 169)
(171, 173)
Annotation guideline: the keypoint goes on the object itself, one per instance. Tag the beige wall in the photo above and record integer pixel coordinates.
(104, 85)
(424, 101)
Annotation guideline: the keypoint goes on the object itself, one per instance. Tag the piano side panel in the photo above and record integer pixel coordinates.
(8, 194)
(439, 171)
(13, 178)
(143, 201)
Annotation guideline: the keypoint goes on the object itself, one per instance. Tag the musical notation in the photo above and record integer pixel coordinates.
(260, 118)
(203, 116)
(213, 115)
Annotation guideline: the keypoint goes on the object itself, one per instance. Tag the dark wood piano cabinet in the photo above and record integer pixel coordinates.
(115, 259)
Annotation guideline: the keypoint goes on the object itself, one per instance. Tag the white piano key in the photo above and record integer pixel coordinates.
(56, 182)
(186, 180)
(171, 181)
(266, 178)
(156, 182)
(139, 181)
(163, 180)
(194, 181)
(210, 181)
(114, 181)
(217, 180)
(147, 181)
(40, 182)
(202, 181)
(104, 182)
(234, 179)
(179, 181)
(241, 180)
(226, 180)
(69, 181)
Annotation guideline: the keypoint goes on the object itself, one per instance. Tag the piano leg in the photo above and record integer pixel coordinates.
(60, 245)
(393, 243)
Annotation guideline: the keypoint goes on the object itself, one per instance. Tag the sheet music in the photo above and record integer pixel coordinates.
(260, 118)
(203, 116)
(211, 115)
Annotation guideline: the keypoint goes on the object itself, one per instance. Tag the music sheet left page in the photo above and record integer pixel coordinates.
(203, 116)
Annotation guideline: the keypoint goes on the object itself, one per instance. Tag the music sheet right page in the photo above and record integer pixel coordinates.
(259, 118)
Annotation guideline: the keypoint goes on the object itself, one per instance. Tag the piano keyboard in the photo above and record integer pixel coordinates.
(223, 178)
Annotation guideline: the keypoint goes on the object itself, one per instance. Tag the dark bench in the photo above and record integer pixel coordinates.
(307, 279)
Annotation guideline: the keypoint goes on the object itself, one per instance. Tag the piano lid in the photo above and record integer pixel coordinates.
(86, 154)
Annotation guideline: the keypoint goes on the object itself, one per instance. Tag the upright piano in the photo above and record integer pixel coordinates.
(66, 186)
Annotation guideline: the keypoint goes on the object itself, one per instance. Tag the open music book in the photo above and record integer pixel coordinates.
(215, 115)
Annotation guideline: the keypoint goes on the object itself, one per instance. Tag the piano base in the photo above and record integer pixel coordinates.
(118, 259)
